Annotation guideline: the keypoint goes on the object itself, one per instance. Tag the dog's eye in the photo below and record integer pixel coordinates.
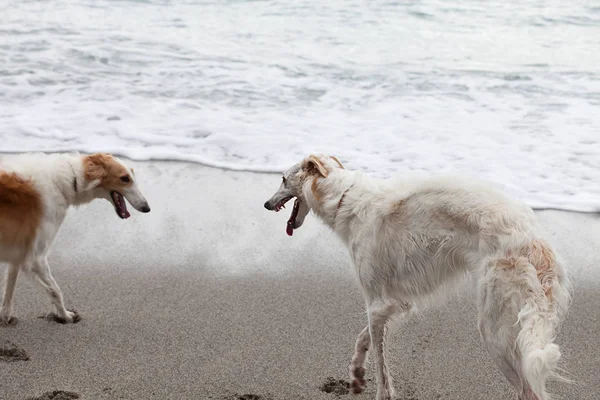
(284, 180)
(125, 179)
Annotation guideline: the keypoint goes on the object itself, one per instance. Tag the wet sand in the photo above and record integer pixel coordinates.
(206, 297)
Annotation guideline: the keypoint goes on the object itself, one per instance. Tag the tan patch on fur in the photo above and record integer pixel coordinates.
(104, 168)
(20, 211)
(315, 190)
(455, 220)
(338, 162)
(539, 254)
(544, 261)
(507, 263)
(398, 209)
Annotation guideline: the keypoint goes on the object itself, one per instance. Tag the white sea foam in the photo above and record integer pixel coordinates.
(506, 91)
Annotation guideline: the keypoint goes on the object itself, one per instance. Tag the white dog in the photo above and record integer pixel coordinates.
(410, 241)
(36, 191)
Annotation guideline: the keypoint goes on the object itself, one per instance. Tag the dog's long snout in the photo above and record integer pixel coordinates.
(268, 205)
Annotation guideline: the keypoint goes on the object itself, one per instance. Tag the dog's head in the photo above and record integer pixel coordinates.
(109, 178)
(301, 177)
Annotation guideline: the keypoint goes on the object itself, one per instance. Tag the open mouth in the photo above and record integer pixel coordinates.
(291, 224)
(281, 204)
(120, 205)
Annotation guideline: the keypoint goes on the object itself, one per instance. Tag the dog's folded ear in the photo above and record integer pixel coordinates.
(337, 161)
(314, 165)
(95, 169)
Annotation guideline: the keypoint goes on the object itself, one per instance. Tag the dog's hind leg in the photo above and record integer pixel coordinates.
(380, 315)
(498, 312)
(41, 270)
(9, 288)
(504, 357)
(357, 365)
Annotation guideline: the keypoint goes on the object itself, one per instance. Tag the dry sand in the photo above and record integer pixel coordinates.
(206, 297)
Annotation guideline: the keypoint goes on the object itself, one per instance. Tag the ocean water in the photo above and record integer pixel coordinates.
(507, 91)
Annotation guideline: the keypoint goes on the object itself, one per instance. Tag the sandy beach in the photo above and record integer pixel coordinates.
(206, 297)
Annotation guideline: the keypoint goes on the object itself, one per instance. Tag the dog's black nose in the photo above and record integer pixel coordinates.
(268, 206)
(145, 208)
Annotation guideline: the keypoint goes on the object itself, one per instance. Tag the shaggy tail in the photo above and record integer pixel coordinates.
(544, 303)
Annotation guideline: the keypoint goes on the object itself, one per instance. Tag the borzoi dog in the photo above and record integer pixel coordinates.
(410, 241)
(36, 190)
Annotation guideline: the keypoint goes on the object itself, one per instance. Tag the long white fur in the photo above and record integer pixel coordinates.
(52, 176)
(411, 241)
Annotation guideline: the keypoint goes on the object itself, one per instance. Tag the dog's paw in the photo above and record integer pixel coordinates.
(357, 380)
(71, 317)
(357, 386)
(7, 320)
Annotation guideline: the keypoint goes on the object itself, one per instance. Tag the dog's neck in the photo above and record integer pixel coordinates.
(334, 197)
(75, 189)
(72, 182)
(341, 202)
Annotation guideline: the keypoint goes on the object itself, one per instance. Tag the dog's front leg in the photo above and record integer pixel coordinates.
(41, 270)
(357, 365)
(9, 288)
(379, 316)
(528, 394)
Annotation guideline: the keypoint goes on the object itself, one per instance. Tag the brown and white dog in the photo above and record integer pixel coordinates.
(410, 241)
(36, 190)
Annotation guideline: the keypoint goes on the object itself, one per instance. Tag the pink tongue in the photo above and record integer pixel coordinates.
(122, 206)
(290, 224)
